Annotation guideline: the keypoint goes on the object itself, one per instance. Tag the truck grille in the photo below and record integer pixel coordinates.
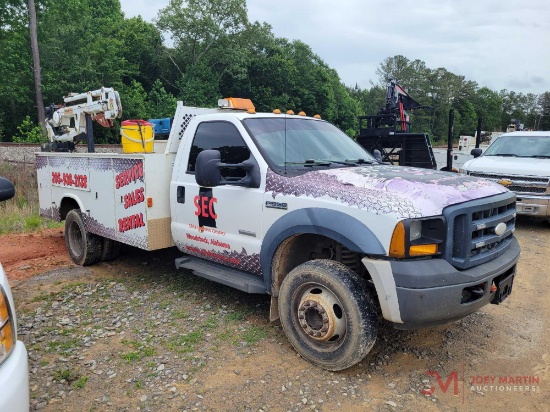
(519, 184)
(471, 237)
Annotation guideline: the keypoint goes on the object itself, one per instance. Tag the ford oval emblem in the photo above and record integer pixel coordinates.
(500, 229)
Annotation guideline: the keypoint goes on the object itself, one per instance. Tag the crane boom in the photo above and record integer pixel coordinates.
(67, 123)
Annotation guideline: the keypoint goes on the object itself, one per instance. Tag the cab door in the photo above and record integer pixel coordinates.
(222, 223)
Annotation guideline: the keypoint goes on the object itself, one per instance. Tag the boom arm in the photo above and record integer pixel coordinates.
(397, 102)
(66, 123)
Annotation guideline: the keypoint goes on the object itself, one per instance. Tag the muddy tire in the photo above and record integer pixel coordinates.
(110, 250)
(84, 247)
(327, 315)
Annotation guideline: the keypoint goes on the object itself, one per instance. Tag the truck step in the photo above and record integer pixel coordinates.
(235, 278)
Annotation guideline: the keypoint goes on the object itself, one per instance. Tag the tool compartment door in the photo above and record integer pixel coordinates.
(130, 204)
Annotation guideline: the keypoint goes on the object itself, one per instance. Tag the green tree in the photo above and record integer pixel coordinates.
(466, 123)
(134, 97)
(16, 76)
(160, 103)
(524, 107)
(28, 132)
(142, 48)
(544, 116)
(84, 53)
(207, 37)
(488, 105)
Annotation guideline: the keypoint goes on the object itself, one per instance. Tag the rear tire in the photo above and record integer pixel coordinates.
(110, 249)
(327, 314)
(84, 247)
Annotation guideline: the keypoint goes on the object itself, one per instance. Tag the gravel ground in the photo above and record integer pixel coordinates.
(142, 336)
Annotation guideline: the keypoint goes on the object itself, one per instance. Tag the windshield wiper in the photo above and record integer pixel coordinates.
(338, 162)
(349, 162)
(361, 161)
(504, 154)
(541, 156)
(309, 163)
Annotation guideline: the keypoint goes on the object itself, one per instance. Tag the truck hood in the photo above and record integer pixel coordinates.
(523, 166)
(403, 191)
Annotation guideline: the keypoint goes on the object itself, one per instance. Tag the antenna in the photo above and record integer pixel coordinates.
(285, 142)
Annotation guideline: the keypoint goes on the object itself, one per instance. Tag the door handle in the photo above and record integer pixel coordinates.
(180, 194)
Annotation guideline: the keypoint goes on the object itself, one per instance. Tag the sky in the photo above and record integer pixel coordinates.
(500, 44)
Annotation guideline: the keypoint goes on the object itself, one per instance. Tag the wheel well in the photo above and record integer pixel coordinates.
(301, 248)
(67, 204)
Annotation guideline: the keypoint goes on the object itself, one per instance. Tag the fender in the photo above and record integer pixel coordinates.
(332, 224)
(68, 195)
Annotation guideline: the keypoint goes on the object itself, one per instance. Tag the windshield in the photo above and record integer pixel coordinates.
(520, 146)
(304, 142)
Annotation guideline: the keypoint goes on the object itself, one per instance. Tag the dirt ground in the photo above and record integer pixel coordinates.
(497, 358)
(25, 255)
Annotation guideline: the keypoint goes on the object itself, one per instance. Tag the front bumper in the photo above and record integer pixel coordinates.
(538, 206)
(14, 381)
(421, 293)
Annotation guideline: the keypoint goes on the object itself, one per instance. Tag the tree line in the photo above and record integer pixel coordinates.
(215, 51)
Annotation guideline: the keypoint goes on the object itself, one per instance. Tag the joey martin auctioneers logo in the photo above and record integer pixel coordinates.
(481, 383)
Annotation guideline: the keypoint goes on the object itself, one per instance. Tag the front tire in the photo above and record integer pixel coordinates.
(327, 315)
(84, 247)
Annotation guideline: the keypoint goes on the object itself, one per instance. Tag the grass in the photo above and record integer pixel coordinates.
(254, 334)
(140, 351)
(238, 315)
(228, 336)
(138, 355)
(68, 375)
(80, 382)
(179, 314)
(73, 285)
(186, 343)
(211, 322)
(40, 298)
(64, 347)
(67, 332)
(22, 212)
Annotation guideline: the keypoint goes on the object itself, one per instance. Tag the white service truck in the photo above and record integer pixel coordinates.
(519, 161)
(288, 205)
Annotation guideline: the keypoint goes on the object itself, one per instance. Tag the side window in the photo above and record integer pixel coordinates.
(222, 136)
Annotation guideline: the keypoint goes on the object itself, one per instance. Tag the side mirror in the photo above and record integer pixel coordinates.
(7, 190)
(476, 152)
(377, 155)
(208, 171)
(207, 168)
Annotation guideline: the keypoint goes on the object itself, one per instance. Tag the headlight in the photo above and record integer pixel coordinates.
(417, 237)
(415, 230)
(7, 330)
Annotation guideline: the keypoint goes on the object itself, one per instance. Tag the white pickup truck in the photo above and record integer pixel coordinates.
(14, 369)
(519, 161)
(288, 205)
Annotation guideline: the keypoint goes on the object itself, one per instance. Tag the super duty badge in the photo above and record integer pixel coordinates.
(276, 205)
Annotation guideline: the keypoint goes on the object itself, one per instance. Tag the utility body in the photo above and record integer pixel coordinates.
(288, 205)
